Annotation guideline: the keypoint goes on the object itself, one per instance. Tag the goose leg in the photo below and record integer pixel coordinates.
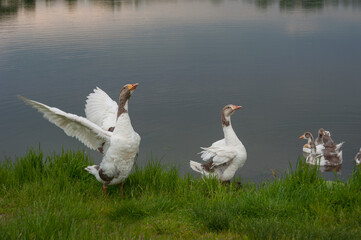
(121, 189)
(105, 191)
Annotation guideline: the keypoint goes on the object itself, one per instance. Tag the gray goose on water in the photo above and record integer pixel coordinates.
(323, 141)
(329, 156)
(107, 129)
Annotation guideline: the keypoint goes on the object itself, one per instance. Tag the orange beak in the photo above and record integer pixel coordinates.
(132, 86)
(306, 146)
(236, 107)
(323, 133)
(303, 136)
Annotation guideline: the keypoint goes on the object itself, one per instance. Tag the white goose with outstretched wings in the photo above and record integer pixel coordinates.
(107, 129)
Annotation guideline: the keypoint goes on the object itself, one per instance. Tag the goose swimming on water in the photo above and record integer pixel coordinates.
(329, 156)
(226, 155)
(107, 129)
(323, 140)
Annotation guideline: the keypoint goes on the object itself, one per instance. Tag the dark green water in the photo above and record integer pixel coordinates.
(294, 66)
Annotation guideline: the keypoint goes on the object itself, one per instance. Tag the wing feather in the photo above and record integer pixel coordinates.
(219, 153)
(101, 109)
(223, 156)
(81, 128)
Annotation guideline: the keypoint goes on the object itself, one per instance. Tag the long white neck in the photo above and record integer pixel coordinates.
(229, 134)
(123, 125)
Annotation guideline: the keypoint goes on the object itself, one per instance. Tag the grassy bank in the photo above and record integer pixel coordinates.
(52, 197)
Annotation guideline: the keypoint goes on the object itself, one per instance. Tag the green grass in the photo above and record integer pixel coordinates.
(53, 197)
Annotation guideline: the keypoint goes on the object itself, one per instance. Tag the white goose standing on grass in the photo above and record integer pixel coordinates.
(226, 155)
(108, 129)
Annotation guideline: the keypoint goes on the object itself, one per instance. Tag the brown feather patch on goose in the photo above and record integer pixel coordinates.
(105, 177)
(123, 98)
(208, 166)
(225, 122)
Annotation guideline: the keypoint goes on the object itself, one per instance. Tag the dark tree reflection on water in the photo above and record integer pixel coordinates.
(307, 5)
(11, 7)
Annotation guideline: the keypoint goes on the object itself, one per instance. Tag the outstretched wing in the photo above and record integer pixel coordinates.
(219, 153)
(81, 128)
(101, 109)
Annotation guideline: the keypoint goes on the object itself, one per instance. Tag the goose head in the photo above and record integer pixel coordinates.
(131, 87)
(125, 94)
(127, 90)
(309, 137)
(227, 111)
(321, 132)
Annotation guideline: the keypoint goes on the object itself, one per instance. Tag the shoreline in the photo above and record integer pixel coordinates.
(56, 198)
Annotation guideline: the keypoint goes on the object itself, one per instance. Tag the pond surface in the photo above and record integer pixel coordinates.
(294, 66)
